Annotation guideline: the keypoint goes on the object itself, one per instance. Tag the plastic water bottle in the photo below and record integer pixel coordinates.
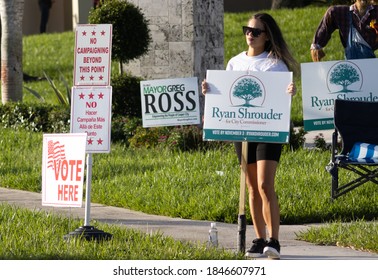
(213, 235)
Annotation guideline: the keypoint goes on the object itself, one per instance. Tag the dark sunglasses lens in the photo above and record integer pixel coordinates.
(255, 31)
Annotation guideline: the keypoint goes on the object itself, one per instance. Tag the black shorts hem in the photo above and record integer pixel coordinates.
(259, 151)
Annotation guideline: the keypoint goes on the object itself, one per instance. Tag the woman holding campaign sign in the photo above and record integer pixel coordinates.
(267, 51)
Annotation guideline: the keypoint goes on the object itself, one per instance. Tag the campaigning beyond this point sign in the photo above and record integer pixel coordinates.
(247, 106)
(63, 164)
(93, 55)
(324, 82)
(91, 114)
(170, 102)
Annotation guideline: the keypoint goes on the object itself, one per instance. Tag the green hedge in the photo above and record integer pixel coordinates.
(37, 117)
(126, 129)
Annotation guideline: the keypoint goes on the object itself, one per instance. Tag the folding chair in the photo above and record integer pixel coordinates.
(355, 122)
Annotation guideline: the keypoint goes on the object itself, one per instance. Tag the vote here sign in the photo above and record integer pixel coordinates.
(91, 114)
(63, 164)
(93, 55)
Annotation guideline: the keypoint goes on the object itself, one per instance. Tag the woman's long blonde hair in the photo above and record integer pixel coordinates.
(276, 45)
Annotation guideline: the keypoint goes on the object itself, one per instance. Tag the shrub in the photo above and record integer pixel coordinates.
(184, 138)
(297, 138)
(49, 118)
(181, 138)
(124, 128)
(321, 143)
(148, 137)
(36, 118)
(126, 96)
(187, 138)
(131, 35)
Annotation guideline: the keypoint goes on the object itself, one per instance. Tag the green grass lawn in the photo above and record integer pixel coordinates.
(187, 184)
(42, 239)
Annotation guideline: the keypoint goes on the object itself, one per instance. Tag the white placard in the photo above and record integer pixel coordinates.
(93, 55)
(91, 109)
(170, 102)
(247, 106)
(63, 164)
(323, 82)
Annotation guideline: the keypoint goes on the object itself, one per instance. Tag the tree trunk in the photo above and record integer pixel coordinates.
(11, 12)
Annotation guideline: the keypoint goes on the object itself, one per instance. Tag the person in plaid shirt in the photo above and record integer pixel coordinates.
(365, 20)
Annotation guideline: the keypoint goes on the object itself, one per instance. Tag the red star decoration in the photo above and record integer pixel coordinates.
(82, 78)
(91, 95)
(90, 141)
(103, 33)
(84, 33)
(101, 96)
(101, 77)
(81, 95)
(99, 141)
(93, 33)
(91, 78)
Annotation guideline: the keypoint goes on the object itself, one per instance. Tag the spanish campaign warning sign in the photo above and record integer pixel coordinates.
(63, 164)
(91, 114)
(323, 82)
(247, 106)
(93, 54)
(170, 102)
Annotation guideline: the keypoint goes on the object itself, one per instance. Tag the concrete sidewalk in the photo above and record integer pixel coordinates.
(189, 230)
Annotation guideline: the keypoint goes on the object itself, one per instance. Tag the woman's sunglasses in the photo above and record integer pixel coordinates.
(256, 32)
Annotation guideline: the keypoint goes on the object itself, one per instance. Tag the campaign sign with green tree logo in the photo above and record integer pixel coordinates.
(247, 89)
(323, 82)
(344, 75)
(247, 106)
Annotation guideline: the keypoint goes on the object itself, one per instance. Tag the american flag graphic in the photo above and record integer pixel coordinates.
(55, 152)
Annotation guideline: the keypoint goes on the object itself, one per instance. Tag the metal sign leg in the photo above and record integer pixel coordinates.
(87, 231)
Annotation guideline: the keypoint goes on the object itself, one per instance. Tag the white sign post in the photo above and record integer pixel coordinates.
(170, 102)
(63, 164)
(91, 105)
(323, 82)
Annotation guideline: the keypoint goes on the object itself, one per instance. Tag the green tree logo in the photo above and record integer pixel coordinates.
(247, 89)
(344, 75)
